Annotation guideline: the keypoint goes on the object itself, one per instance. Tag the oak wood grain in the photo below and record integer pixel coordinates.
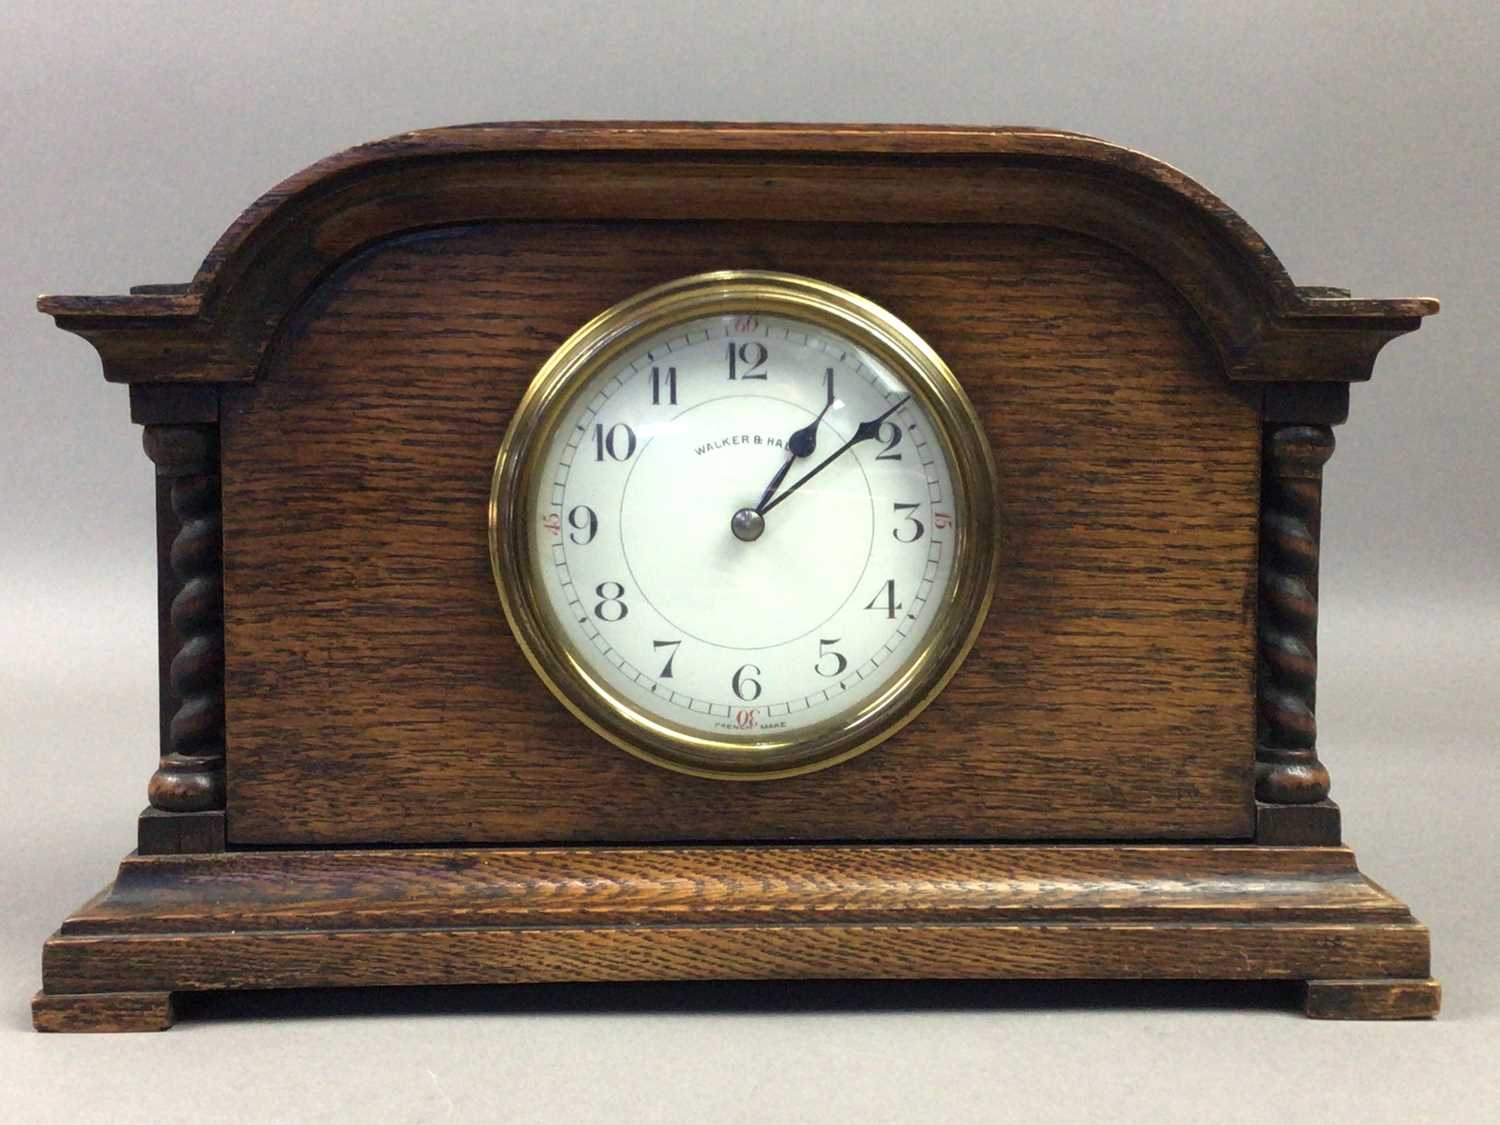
(374, 694)
(297, 959)
(325, 917)
(822, 884)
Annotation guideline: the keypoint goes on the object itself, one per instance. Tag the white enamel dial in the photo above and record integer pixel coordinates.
(741, 533)
(642, 567)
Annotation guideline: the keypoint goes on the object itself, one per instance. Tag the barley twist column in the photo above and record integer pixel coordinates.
(1287, 769)
(191, 775)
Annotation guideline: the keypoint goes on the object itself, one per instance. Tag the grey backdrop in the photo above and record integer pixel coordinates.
(1358, 139)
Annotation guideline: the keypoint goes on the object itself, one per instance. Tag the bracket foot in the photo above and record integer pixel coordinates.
(102, 1011)
(1393, 999)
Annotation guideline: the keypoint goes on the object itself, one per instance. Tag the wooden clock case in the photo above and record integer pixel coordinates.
(363, 783)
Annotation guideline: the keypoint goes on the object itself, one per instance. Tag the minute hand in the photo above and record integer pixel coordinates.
(864, 432)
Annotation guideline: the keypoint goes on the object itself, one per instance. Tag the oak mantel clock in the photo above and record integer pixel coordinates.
(627, 551)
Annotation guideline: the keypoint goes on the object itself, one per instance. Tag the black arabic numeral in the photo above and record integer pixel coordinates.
(840, 661)
(589, 524)
(666, 671)
(891, 434)
(609, 441)
(746, 687)
(611, 606)
(670, 382)
(747, 360)
(886, 599)
(913, 525)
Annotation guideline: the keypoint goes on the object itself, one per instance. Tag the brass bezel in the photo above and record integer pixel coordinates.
(964, 603)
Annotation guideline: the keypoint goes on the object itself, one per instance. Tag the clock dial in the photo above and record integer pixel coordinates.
(806, 605)
(739, 534)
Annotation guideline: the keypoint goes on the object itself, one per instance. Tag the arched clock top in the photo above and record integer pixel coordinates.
(216, 329)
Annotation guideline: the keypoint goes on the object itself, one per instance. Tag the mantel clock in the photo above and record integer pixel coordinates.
(649, 551)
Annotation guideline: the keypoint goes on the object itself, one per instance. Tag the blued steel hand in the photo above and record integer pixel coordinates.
(802, 443)
(865, 432)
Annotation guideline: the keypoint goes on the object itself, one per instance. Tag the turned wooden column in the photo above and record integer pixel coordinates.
(1287, 770)
(190, 777)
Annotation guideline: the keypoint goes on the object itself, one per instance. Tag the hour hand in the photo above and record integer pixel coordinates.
(786, 467)
(802, 443)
